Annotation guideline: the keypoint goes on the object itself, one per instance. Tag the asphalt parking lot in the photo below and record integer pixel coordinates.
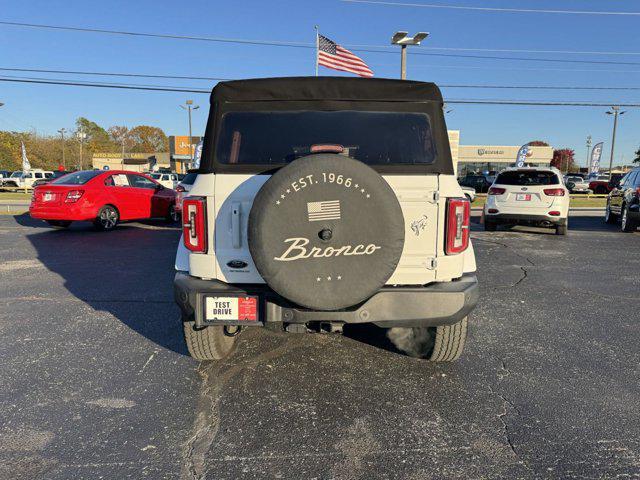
(96, 383)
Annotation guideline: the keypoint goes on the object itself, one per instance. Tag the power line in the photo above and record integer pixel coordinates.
(186, 77)
(492, 9)
(358, 48)
(193, 90)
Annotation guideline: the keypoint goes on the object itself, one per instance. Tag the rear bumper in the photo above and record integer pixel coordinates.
(436, 304)
(66, 211)
(524, 218)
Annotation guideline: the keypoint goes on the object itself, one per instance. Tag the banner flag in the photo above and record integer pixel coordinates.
(523, 153)
(595, 158)
(26, 166)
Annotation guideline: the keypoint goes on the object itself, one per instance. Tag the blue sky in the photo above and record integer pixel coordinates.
(47, 108)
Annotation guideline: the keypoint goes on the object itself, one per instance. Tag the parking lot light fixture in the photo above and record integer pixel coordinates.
(615, 111)
(188, 105)
(403, 39)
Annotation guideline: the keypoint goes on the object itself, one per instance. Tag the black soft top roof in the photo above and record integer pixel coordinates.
(325, 88)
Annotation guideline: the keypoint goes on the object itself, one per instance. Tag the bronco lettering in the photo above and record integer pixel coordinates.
(297, 250)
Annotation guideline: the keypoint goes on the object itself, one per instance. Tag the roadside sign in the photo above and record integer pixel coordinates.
(595, 158)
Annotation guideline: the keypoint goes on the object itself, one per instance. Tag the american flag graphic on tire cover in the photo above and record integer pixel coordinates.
(328, 210)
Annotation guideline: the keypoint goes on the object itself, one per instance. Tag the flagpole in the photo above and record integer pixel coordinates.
(317, 47)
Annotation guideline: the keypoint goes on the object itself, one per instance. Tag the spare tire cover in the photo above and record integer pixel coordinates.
(326, 232)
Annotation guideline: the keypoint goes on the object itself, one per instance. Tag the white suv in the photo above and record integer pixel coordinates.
(532, 196)
(26, 179)
(321, 202)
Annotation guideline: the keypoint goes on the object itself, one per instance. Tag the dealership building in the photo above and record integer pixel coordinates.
(484, 159)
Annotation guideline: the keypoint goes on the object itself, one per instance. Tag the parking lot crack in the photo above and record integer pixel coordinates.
(507, 407)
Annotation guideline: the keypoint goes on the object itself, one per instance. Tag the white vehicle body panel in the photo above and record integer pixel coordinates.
(422, 198)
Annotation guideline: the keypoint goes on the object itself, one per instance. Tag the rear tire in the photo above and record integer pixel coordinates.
(561, 229)
(59, 223)
(107, 218)
(436, 344)
(609, 216)
(173, 216)
(208, 343)
(626, 223)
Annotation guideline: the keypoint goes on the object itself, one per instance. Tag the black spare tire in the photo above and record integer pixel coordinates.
(326, 232)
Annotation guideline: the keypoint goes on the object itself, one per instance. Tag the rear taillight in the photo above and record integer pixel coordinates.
(554, 192)
(637, 192)
(496, 191)
(179, 188)
(554, 213)
(194, 230)
(73, 196)
(458, 218)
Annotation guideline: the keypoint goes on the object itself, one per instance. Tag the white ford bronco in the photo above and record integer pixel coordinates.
(322, 202)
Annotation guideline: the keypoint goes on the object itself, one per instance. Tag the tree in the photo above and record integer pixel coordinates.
(147, 139)
(563, 160)
(637, 159)
(538, 143)
(120, 135)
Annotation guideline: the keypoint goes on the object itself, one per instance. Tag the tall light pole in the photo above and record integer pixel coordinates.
(190, 106)
(615, 111)
(403, 39)
(588, 161)
(61, 132)
(81, 136)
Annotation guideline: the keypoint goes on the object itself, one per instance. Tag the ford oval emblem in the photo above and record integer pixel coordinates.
(236, 264)
(524, 189)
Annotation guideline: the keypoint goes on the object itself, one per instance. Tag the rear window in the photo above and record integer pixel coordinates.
(189, 178)
(374, 138)
(531, 177)
(77, 178)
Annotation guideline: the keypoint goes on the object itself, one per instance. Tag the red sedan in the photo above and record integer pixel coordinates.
(102, 197)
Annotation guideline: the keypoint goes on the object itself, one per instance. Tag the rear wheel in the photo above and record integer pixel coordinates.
(609, 216)
(173, 216)
(107, 218)
(437, 344)
(561, 229)
(208, 343)
(600, 190)
(59, 223)
(626, 223)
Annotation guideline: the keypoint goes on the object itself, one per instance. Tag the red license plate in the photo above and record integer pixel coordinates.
(238, 309)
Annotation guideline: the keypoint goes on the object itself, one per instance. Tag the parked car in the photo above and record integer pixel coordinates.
(102, 197)
(26, 179)
(470, 193)
(169, 180)
(307, 218)
(601, 185)
(56, 174)
(530, 196)
(183, 189)
(480, 183)
(577, 184)
(623, 203)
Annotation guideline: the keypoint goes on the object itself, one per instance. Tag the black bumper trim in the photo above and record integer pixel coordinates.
(523, 218)
(442, 303)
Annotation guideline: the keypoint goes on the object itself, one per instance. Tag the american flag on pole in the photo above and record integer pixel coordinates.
(332, 55)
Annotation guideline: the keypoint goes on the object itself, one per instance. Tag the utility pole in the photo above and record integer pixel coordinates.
(190, 106)
(401, 38)
(615, 111)
(64, 162)
(588, 164)
(81, 136)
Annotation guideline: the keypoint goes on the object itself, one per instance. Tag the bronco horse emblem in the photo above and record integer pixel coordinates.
(419, 225)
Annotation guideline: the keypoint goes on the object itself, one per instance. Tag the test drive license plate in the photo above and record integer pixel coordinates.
(231, 308)
(523, 197)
